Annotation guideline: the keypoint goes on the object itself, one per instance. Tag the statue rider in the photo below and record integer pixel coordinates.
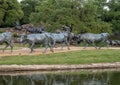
(17, 23)
(67, 27)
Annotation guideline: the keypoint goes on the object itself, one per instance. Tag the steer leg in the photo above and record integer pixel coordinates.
(67, 43)
(100, 45)
(46, 47)
(86, 44)
(5, 47)
(93, 43)
(108, 45)
(24, 43)
(54, 44)
(31, 47)
(62, 45)
(11, 46)
(51, 48)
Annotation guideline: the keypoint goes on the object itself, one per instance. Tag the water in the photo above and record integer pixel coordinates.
(62, 78)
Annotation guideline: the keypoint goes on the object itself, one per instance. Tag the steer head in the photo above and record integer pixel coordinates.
(23, 38)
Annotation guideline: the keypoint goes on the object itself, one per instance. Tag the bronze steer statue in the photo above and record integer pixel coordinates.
(6, 38)
(62, 38)
(33, 39)
(91, 38)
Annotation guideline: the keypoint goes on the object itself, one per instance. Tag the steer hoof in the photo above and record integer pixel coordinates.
(52, 51)
(43, 52)
(3, 51)
(68, 48)
(30, 51)
(84, 48)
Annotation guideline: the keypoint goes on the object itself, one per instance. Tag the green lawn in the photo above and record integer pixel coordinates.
(74, 57)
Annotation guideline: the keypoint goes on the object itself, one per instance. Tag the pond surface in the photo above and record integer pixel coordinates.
(63, 78)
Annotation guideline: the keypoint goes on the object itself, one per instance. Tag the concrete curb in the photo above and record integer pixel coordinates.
(10, 68)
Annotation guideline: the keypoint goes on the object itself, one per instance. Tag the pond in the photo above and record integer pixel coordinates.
(86, 77)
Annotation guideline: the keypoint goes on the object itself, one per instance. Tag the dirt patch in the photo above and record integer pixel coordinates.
(26, 51)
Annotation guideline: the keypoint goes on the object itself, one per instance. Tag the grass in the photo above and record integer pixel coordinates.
(74, 57)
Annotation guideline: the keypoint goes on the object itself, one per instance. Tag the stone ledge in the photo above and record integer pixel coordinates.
(10, 68)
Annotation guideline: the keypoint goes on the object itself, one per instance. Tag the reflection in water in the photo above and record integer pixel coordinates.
(67, 78)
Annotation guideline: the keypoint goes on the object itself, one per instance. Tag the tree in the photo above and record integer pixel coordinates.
(90, 16)
(113, 15)
(28, 6)
(10, 12)
(82, 14)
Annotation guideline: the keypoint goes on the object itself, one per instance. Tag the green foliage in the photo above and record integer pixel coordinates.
(28, 6)
(83, 15)
(113, 15)
(10, 12)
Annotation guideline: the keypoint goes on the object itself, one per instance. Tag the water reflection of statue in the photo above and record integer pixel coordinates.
(66, 79)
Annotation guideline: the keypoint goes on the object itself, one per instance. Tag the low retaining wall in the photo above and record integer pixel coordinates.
(9, 68)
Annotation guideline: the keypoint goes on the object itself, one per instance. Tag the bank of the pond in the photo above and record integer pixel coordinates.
(59, 72)
(9, 68)
(79, 59)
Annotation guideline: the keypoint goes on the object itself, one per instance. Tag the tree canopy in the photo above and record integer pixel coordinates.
(10, 12)
(28, 6)
(82, 15)
(113, 15)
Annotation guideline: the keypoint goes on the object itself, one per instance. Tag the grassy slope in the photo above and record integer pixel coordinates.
(75, 57)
